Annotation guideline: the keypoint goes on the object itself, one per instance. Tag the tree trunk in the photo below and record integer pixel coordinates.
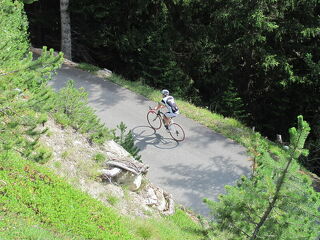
(65, 29)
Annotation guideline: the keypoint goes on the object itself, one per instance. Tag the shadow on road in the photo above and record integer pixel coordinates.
(96, 87)
(205, 136)
(198, 182)
(145, 135)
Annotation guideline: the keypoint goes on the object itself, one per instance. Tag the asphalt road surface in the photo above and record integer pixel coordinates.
(197, 168)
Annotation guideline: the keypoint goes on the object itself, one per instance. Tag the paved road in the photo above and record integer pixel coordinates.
(197, 168)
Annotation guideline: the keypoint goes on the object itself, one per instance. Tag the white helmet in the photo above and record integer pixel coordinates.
(165, 92)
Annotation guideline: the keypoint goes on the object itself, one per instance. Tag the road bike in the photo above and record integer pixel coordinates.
(155, 120)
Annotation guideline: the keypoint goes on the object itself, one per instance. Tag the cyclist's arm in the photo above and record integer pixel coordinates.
(160, 105)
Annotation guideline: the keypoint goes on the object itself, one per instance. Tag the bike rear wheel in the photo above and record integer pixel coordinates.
(154, 120)
(177, 132)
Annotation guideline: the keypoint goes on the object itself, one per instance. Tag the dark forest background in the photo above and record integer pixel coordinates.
(254, 60)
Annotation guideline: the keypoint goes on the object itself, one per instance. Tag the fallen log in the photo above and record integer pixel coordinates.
(132, 168)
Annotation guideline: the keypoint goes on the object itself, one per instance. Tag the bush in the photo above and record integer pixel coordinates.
(71, 108)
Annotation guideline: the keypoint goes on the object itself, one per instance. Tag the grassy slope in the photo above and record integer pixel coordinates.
(36, 204)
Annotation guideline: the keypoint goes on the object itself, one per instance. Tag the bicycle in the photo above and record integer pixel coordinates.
(155, 120)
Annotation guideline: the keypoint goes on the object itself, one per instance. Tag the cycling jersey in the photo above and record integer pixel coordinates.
(169, 102)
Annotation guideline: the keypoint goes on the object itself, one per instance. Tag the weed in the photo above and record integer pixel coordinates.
(55, 204)
(147, 212)
(65, 154)
(145, 231)
(49, 133)
(99, 157)
(113, 200)
(57, 165)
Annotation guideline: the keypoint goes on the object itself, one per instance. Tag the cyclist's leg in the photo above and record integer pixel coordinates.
(167, 118)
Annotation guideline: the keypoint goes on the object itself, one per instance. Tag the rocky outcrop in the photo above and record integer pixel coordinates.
(123, 169)
(155, 196)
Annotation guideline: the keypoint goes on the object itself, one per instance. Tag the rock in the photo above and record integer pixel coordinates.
(151, 197)
(115, 151)
(136, 183)
(155, 196)
(161, 204)
(105, 73)
(170, 204)
(114, 190)
(132, 181)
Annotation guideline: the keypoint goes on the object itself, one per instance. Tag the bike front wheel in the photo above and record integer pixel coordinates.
(177, 132)
(154, 120)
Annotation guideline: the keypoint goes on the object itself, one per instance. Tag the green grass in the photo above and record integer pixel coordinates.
(31, 192)
(36, 204)
(88, 67)
(176, 227)
(15, 227)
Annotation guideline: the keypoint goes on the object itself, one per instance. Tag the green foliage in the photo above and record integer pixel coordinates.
(145, 232)
(126, 140)
(28, 1)
(71, 108)
(22, 85)
(99, 157)
(232, 105)
(277, 202)
(42, 155)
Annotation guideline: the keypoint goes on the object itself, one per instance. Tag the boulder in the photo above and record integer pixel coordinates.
(132, 181)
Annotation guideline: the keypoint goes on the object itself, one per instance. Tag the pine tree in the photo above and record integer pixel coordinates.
(232, 104)
(277, 202)
(70, 108)
(22, 85)
(126, 140)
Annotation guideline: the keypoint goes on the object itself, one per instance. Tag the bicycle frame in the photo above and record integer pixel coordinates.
(161, 115)
(175, 130)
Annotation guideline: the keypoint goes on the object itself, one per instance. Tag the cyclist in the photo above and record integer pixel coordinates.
(168, 101)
